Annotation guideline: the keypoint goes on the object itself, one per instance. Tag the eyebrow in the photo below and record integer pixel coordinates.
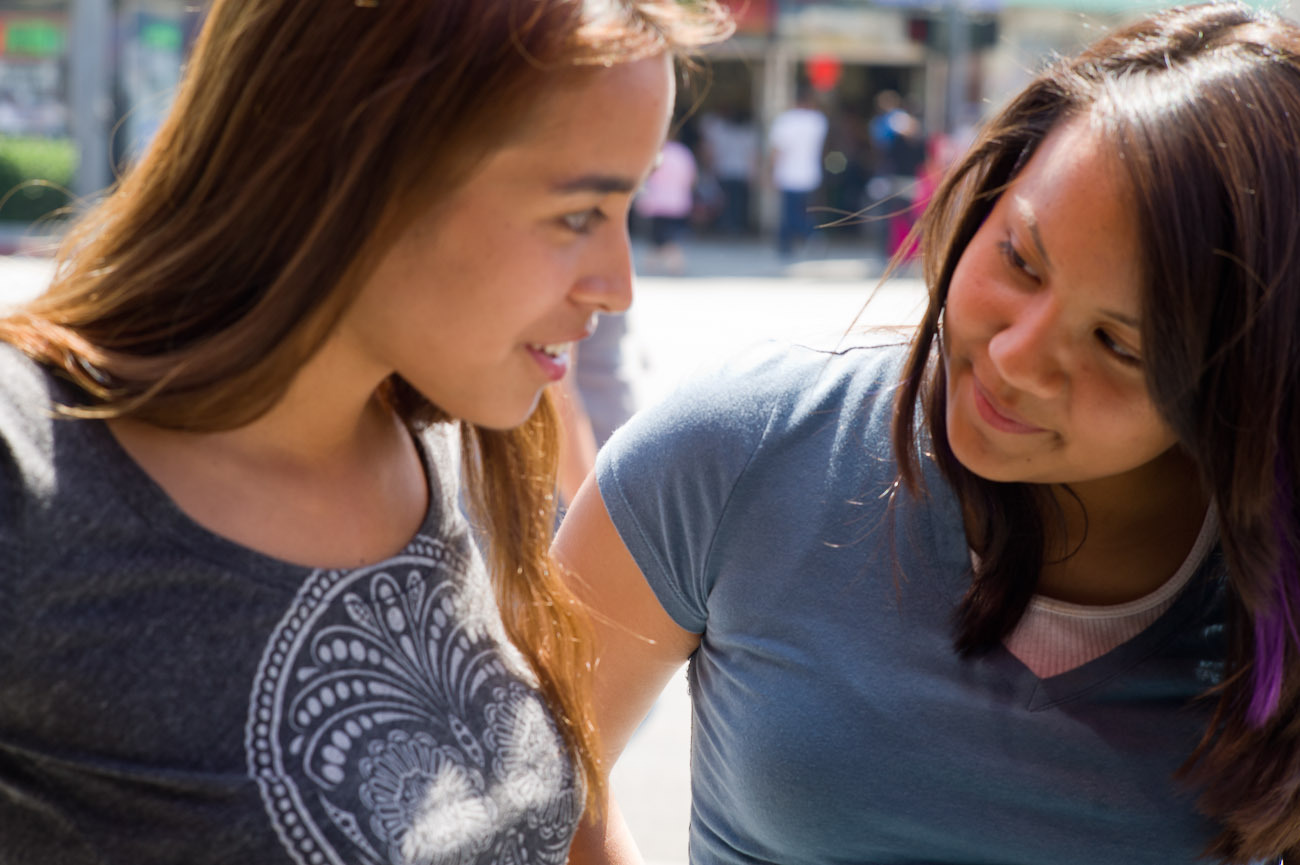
(602, 183)
(1123, 318)
(1026, 212)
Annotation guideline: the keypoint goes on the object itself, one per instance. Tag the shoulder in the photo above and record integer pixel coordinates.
(24, 384)
(27, 397)
(29, 441)
(795, 380)
(827, 407)
(859, 370)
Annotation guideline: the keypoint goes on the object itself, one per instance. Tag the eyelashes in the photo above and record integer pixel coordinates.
(1121, 353)
(583, 221)
(1015, 260)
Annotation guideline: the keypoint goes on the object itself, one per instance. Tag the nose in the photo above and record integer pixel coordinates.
(606, 284)
(1028, 351)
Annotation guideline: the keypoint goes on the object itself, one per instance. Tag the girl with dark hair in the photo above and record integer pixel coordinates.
(243, 618)
(1025, 590)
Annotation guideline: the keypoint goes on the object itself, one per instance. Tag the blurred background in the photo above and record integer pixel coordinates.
(85, 83)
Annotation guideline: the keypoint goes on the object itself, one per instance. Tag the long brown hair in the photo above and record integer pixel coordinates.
(1202, 105)
(302, 137)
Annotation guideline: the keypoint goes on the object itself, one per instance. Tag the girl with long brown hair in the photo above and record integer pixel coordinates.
(1024, 590)
(243, 618)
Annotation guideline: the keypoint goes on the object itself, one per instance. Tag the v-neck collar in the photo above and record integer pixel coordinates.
(1198, 599)
(1201, 595)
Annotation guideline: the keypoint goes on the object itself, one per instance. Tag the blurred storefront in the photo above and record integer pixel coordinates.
(153, 39)
(33, 64)
(84, 84)
(35, 117)
(951, 61)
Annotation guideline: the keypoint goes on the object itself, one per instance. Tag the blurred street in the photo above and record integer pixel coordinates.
(733, 294)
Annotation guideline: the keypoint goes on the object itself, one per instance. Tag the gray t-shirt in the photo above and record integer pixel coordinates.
(832, 720)
(168, 696)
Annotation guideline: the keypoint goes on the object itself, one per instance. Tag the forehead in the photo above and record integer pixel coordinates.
(1076, 161)
(1074, 192)
(601, 118)
(592, 98)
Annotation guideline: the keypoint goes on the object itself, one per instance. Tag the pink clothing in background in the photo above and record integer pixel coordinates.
(667, 191)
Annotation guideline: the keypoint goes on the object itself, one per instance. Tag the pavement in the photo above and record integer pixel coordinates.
(732, 293)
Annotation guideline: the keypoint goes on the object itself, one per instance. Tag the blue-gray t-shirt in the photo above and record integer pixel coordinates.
(168, 696)
(832, 720)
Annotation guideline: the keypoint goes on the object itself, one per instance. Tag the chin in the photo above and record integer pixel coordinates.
(970, 452)
(503, 418)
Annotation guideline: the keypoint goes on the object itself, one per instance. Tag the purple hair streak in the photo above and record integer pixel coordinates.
(1272, 625)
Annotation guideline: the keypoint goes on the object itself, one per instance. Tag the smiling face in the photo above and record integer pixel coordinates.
(479, 299)
(1042, 332)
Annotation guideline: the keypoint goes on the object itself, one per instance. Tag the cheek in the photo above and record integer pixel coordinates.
(971, 303)
(1124, 414)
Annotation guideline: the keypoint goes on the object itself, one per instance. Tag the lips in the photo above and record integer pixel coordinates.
(554, 349)
(553, 358)
(998, 416)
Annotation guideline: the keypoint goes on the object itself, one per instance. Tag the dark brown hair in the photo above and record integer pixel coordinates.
(1202, 105)
(303, 135)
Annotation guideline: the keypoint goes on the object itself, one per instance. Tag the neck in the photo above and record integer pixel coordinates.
(1117, 539)
(329, 477)
(328, 417)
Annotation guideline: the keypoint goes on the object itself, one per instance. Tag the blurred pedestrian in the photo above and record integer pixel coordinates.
(900, 151)
(731, 143)
(667, 200)
(243, 618)
(795, 144)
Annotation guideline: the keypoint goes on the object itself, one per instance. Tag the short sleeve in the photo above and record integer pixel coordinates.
(667, 476)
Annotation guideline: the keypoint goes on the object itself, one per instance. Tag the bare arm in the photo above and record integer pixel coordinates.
(638, 648)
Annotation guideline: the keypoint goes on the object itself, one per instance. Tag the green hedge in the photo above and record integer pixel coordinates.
(36, 176)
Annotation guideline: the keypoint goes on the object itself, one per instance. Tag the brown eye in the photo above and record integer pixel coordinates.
(583, 221)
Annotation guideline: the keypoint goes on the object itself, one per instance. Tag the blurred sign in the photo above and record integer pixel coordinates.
(849, 32)
(946, 5)
(161, 34)
(33, 37)
(823, 72)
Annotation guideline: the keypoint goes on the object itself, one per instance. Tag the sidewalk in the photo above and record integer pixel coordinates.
(25, 240)
(835, 256)
(23, 276)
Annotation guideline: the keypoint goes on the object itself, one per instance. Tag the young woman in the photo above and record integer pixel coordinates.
(243, 620)
(1024, 591)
